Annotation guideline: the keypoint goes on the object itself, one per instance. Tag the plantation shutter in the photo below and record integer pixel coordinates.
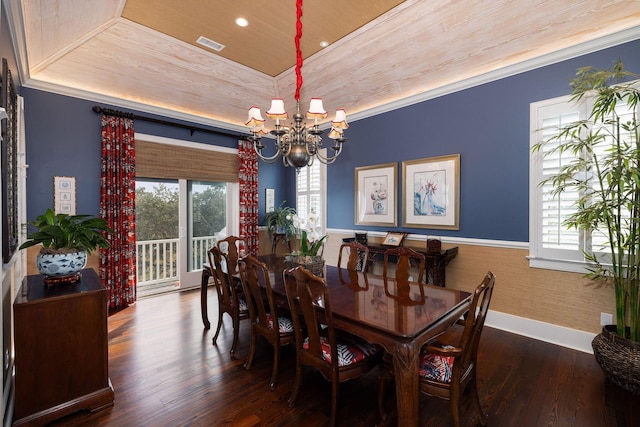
(311, 184)
(550, 238)
(556, 209)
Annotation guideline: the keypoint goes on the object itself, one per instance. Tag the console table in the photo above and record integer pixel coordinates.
(61, 349)
(435, 261)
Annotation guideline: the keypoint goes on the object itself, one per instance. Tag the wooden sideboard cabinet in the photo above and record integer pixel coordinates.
(435, 261)
(61, 349)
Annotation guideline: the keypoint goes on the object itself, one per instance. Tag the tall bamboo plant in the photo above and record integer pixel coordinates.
(608, 181)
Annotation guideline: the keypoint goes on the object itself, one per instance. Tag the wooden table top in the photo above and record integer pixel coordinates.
(399, 309)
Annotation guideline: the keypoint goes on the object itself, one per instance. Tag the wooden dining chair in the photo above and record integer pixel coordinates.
(232, 246)
(448, 364)
(267, 319)
(358, 256)
(228, 299)
(404, 256)
(337, 360)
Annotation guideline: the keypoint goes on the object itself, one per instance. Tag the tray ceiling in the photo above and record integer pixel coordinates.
(142, 54)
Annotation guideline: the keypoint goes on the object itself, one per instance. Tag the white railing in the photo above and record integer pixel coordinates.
(199, 248)
(158, 260)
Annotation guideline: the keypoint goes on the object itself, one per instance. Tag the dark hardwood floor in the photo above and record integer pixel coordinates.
(166, 372)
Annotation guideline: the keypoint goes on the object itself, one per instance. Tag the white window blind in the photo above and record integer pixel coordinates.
(311, 191)
(550, 239)
(552, 244)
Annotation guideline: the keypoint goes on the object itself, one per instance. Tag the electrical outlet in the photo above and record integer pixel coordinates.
(606, 319)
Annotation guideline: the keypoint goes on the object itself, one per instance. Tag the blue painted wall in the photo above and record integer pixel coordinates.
(487, 125)
(63, 138)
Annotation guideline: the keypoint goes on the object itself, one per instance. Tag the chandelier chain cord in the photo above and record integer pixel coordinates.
(298, 50)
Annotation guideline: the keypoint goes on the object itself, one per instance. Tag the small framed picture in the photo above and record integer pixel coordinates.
(394, 238)
(375, 194)
(64, 194)
(269, 200)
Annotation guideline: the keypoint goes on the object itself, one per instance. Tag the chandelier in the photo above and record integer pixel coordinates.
(299, 142)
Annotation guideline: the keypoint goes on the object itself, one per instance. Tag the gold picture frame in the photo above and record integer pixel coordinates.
(431, 192)
(394, 238)
(375, 194)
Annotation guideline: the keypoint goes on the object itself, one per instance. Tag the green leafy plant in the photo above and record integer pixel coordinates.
(281, 219)
(606, 172)
(68, 233)
(308, 248)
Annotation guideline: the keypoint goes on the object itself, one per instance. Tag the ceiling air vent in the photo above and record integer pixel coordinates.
(210, 43)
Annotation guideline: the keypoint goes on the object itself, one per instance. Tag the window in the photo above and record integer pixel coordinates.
(552, 244)
(311, 183)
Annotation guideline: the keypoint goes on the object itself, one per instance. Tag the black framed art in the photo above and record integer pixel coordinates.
(9, 130)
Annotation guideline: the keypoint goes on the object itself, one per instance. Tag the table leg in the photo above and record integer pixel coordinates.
(405, 365)
(204, 284)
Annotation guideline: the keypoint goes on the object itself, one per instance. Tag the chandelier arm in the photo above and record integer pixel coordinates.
(327, 160)
(267, 159)
(284, 144)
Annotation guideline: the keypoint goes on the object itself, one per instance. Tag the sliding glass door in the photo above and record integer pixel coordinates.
(177, 221)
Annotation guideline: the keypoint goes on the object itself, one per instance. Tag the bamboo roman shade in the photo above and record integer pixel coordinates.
(155, 160)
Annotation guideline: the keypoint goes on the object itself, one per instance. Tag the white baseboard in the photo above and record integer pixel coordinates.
(559, 335)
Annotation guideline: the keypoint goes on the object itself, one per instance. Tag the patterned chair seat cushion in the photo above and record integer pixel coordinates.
(285, 325)
(435, 367)
(242, 305)
(348, 352)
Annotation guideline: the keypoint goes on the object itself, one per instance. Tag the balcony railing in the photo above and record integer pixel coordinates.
(158, 262)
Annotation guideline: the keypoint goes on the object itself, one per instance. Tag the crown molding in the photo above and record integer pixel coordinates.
(584, 48)
(133, 105)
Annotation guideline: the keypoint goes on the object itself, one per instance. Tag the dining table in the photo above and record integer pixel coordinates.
(400, 316)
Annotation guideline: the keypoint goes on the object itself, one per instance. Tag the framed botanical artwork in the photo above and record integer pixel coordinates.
(431, 192)
(375, 195)
(64, 194)
(394, 238)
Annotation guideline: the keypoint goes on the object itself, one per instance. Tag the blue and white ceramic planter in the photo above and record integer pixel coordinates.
(55, 265)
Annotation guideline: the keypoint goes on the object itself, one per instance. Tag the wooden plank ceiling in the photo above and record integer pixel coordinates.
(142, 54)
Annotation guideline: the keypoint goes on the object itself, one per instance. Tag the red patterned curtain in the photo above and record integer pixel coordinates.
(248, 179)
(117, 207)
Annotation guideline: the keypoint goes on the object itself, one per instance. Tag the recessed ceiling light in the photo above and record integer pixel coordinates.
(242, 22)
(324, 44)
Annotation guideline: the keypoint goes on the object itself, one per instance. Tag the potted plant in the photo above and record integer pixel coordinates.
(606, 172)
(66, 240)
(311, 240)
(280, 221)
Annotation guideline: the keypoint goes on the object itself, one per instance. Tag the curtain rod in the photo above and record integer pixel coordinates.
(117, 113)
